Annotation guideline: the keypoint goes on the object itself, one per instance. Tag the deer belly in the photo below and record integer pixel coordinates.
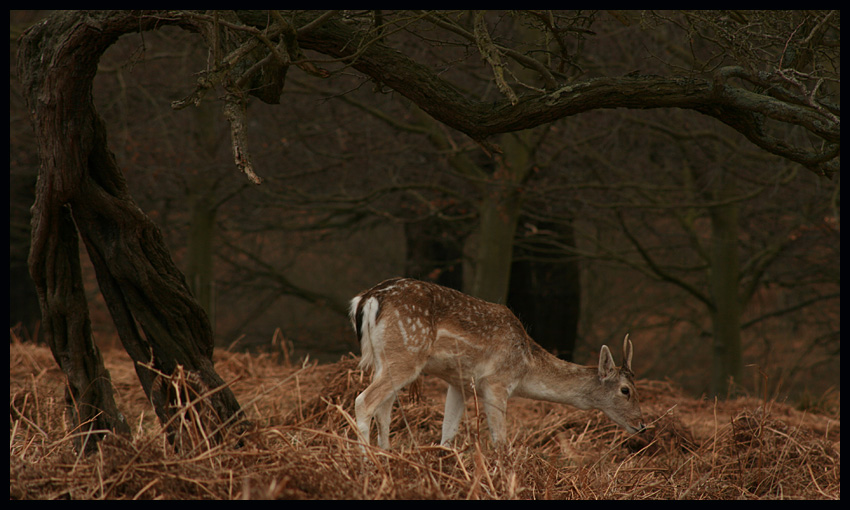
(457, 360)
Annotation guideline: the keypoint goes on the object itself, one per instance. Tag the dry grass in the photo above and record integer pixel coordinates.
(301, 445)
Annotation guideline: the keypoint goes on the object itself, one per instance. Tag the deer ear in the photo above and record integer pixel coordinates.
(607, 368)
(628, 351)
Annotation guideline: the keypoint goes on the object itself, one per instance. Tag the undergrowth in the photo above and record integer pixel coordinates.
(300, 444)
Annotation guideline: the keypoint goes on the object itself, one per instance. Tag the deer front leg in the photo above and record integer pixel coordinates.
(454, 412)
(494, 398)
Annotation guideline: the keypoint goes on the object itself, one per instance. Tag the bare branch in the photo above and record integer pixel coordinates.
(234, 111)
(491, 55)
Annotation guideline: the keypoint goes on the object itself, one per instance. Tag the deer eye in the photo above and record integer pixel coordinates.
(625, 390)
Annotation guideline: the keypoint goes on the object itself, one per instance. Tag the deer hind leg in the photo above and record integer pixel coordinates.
(367, 403)
(378, 398)
(454, 411)
(383, 415)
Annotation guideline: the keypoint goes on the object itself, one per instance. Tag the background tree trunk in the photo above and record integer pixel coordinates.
(434, 252)
(546, 295)
(492, 263)
(200, 253)
(204, 205)
(727, 367)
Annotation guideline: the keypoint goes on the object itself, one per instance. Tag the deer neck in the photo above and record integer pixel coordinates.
(552, 379)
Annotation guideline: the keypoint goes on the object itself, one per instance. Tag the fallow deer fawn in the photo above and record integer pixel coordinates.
(407, 327)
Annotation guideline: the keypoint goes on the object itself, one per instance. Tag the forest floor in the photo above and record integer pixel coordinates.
(300, 444)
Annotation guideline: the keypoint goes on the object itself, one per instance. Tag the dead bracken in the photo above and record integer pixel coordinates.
(301, 444)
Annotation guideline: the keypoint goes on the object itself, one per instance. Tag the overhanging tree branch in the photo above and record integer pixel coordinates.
(742, 109)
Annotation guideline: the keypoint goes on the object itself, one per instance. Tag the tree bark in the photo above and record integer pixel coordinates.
(89, 400)
(80, 183)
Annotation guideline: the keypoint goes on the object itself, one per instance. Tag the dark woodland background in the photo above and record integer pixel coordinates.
(361, 186)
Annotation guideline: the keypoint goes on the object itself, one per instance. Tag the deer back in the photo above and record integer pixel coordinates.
(427, 321)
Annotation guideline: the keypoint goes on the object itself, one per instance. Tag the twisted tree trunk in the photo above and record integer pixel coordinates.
(81, 191)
